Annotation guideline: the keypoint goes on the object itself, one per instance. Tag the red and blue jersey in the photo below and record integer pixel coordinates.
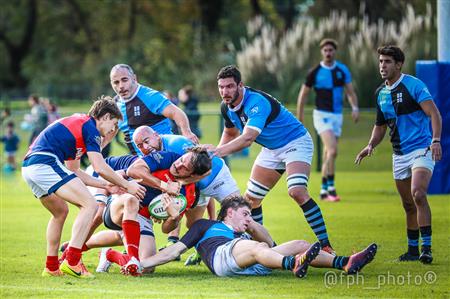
(68, 138)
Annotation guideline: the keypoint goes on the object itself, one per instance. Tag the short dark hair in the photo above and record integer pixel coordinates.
(104, 105)
(34, 98)
(393, 51)
(10, 124)
(201, 161)
(230, 71)
(328, 41)
(235, 203)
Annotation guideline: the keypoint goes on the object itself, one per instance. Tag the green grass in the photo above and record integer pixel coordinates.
(369, 212)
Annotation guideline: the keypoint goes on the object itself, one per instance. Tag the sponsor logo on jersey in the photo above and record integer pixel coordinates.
(79, 153)
(218, 185)
(137, 110)
(98, 140)
(157, 156)
(399, 97)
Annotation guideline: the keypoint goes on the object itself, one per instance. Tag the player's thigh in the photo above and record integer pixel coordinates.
(55, 205)
(329, 140)
(76, 192)
(404, 190)
(244, 252)
(147, 247)
(194, 214)
(292, 247)
(420, 180)
(116, 208)
(266, 176)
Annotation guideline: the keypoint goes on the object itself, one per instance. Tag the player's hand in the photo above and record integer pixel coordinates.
(367, 151)
(192, 137)
(114, 189)
(170, 187)
(355, 115)
(135, 189)
(436, 151)
(156, 220)
(169, 205)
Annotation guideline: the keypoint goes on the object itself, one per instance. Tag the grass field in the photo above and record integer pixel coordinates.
(369, 212)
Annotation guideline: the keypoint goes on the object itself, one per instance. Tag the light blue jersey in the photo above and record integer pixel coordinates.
(144, 108)
(263, 113)
(180, 144)
(398, 107)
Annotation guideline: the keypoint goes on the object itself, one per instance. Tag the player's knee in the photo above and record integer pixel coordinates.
(409, 207)
(419, 196)
(256, 191)
(148, 270)
(259, 248)
(332, 153)
(131, 202)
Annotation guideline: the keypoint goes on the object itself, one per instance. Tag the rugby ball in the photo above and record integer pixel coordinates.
(157, 210)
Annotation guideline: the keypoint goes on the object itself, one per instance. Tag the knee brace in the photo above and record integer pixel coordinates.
(297, 180)
(256, 189)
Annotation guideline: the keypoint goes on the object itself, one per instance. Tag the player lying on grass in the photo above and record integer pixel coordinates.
(219, 184)
(226, 253)
(52, 170)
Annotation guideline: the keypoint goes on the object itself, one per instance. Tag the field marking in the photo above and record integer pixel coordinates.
(134, 292)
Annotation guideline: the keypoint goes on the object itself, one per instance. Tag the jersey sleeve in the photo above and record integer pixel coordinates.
(196, 232)
(257, 115)
(380, 121)
(421, 92)
(348, 75)
(224, 110)
(156, 102)
(160, 160)
(91, 136)
(310, 78)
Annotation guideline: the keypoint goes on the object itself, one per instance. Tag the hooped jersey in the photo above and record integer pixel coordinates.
(263, 113)
(68, 138)
(145, 107)
(329, 83)
(398, 107)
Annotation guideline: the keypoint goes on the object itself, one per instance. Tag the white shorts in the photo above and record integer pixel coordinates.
(220, 188)
(324, 121)
(224, 263)
(402, 165)
(45, 174)
(298, 150)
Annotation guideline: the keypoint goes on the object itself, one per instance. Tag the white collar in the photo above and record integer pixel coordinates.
(322, 64)
(236, 108)
(390, 87)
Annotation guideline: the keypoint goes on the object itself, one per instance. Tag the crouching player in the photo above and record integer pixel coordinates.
(227, 253)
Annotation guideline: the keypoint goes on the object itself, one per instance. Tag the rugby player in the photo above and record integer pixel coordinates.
(405, 105)
(329, 79)
(54, 183)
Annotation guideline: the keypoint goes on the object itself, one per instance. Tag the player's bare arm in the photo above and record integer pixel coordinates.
(259, 233)
(377, 136)
(180, 118)
(245, 140)
(431, 110)
(139, 170)
(353, 101)
(301, 101)
(228, 135)
(164, 256)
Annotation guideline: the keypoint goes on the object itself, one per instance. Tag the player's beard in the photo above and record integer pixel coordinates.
(235, 97)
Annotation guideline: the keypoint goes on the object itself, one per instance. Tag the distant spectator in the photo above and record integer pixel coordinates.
(52, 110)
(11, 141)
(190, 102)
(38, 118)
(5, 117)
(176, 102)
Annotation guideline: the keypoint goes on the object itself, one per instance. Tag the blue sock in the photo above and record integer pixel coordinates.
(315, 220)
(324, 183)
(330, 180)
(425, 235)
(257, 215)
(288, 262)
(413, 241)
(339, 262)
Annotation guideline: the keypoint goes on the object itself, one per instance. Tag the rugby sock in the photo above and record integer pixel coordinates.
(257, 215)
(313, 216)
(425, 236)
(339, 262)
(73, 255)
(288, 262)
(52, 262)
(330, 180)
(173, 239)
(413, 241)
(324, 183)
(117, 257)
(132, 233)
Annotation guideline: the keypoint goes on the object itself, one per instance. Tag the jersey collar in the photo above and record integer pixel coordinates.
(322, 64)
(236, 108)
(395, 84)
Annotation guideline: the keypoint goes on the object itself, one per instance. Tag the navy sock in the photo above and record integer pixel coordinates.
(324, 183)
(413, 241)
(288, 262)
(425, 235)
(257, 215)
(173, 239)
(330, 180)
(313, 216)
(339, 262)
